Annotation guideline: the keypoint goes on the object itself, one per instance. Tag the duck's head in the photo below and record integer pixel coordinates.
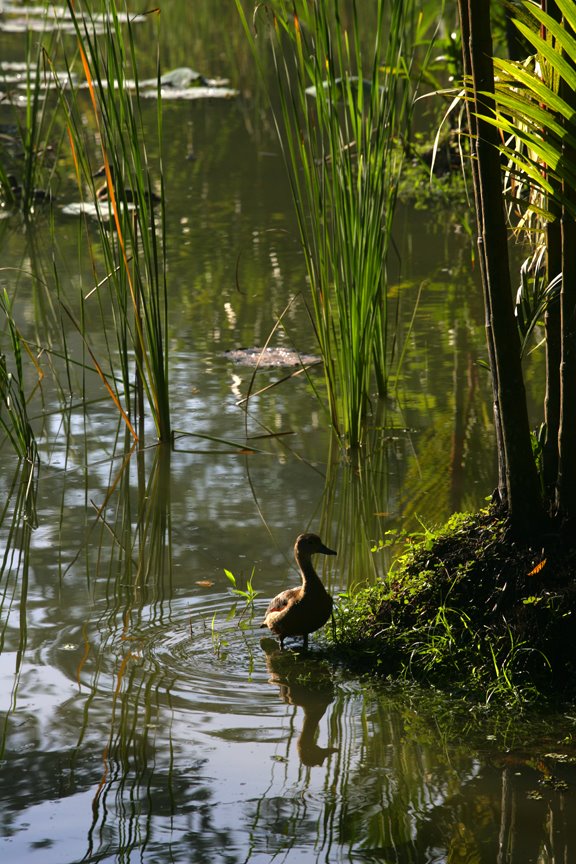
(310, 544)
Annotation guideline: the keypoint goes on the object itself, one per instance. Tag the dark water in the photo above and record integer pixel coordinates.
(141, 717)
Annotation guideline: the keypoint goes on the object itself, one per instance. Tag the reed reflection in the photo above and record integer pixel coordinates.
(362, 499)
(127, 686)
(17, 522)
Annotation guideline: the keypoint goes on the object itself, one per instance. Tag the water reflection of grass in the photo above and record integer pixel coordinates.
(17, 521)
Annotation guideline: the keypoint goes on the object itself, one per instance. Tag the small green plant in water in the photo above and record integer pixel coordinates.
(248, 594)
(244, 620)
(219, 643)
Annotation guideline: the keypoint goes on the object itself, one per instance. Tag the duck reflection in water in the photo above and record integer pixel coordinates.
(300, 611)
(305, 684)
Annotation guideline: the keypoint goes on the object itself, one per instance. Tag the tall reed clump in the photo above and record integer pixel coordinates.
(345, 105)
(131, 230)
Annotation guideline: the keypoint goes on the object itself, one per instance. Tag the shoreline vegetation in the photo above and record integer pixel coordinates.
(472, 610)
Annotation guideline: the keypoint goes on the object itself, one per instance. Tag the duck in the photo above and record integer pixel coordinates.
(300, 611)
(124, 193)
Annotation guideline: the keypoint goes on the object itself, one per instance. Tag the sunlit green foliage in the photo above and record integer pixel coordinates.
(531, 112)
(248, 593)
(449, 621)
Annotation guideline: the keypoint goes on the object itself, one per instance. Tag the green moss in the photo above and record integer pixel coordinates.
(471, 610)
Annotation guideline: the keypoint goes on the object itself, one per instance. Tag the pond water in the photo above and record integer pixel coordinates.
(143, 715)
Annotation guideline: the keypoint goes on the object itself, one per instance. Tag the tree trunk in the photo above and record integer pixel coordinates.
(552, 329)
(473, 127)
(566, 486)
(553, 355)
(517, 466)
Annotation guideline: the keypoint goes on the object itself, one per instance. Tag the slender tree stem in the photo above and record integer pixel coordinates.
(516, 463)
(566, 486)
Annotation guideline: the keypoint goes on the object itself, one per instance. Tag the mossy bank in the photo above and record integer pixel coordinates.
(473, 611)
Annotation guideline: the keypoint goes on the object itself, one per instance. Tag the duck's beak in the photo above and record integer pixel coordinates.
(326, 551)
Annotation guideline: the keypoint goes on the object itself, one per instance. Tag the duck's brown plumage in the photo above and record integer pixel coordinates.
(122, 193)
(300, 611)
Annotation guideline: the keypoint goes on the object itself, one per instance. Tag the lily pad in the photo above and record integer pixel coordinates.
(42, 19)
(192, 93)
(100, 211)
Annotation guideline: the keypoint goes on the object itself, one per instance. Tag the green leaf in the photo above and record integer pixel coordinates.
(560, 33)
(536, 86)
(230, 576)
(553, 55)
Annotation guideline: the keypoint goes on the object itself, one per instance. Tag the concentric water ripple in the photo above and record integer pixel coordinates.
(203, 655)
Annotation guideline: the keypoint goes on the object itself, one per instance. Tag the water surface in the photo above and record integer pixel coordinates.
(142, 716)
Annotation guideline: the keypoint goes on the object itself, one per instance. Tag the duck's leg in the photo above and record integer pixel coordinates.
(281, 643)
(305, 642)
